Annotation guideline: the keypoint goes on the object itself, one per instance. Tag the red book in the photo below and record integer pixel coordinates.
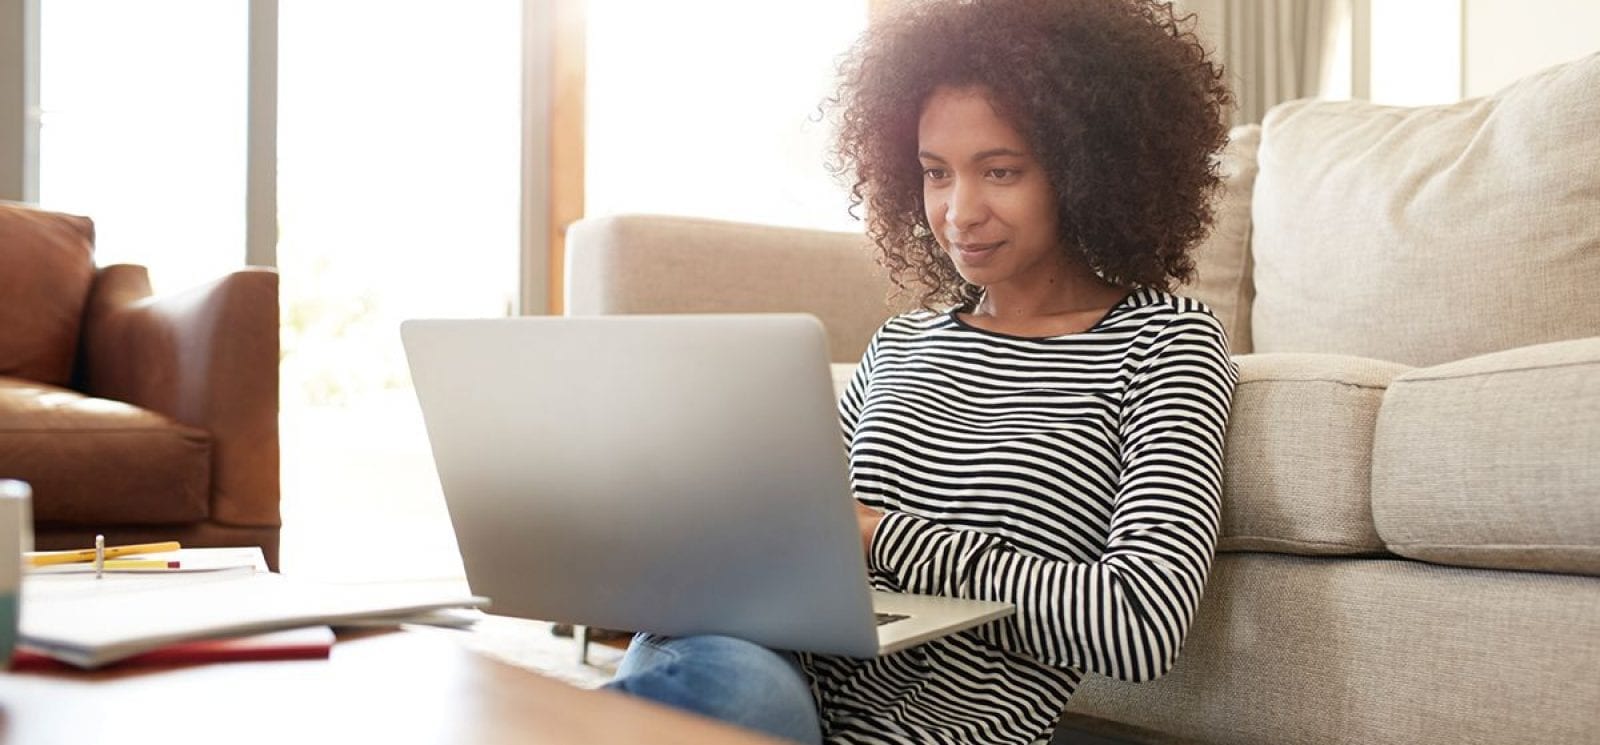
(309, 643)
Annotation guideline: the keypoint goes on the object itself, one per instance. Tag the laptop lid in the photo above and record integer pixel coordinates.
(674, 474)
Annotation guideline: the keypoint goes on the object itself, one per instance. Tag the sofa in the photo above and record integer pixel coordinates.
(1410, 541)
(138, 417)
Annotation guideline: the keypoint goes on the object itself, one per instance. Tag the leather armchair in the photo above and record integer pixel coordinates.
(138, 417)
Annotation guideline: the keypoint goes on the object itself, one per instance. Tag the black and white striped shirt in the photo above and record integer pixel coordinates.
(1078, 477)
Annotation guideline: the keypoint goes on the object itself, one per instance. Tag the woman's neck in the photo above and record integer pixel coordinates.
(1055, 308)
(1067, 294)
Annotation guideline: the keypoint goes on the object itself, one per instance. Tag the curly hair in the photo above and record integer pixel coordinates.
(1120, 102)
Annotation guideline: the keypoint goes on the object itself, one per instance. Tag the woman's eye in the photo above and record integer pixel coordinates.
(1001, 174)
(933, 174)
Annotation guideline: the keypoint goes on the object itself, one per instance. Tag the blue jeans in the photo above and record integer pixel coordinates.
(724, 678)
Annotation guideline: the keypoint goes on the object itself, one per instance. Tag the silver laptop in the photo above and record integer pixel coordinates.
(673, 474)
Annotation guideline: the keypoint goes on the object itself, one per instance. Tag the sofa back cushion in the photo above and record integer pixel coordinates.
(46, 267)
(1425, 235)
(658, 264)
(1494, 461)
(1297, 467)
(1222, 261)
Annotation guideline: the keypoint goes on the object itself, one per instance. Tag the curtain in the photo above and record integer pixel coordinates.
(1276, 50)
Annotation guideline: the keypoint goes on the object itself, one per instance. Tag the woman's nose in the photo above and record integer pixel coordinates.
(966, 207)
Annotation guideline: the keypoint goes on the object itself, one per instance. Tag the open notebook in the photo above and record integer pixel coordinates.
(91, 622)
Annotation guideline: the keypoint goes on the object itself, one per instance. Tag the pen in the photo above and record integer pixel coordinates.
(72, 557)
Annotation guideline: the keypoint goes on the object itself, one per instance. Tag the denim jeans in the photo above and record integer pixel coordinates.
(724, 678)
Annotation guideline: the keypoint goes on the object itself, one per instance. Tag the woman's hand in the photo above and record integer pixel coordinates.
(868, 519)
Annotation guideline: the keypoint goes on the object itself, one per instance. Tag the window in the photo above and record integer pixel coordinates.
(1416, 52)
(710, 108)
(142, 128)
(399, 178)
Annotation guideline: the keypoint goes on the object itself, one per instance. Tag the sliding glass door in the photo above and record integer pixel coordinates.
(399, 127)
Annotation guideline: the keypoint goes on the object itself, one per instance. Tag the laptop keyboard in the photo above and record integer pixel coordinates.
(885, 619)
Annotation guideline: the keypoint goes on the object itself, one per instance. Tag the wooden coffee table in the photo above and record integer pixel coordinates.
(412, 686)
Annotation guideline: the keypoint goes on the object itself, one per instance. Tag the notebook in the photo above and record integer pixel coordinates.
(305, 643)
(91, 622)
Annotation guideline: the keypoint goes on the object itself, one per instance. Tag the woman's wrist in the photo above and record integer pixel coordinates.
(868, 520)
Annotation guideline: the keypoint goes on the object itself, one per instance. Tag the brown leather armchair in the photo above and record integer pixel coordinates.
(138, 417)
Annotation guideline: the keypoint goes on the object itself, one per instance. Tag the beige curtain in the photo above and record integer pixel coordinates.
(1274, 50)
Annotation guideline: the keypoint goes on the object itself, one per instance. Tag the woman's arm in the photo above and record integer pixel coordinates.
(1126, 614)
(854, 394)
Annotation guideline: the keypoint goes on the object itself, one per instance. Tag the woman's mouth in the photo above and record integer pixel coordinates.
(970, 252)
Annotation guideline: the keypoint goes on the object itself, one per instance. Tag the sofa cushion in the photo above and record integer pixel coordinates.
(46, 266)
(1222, 261)
(1296, 470)
(1310, 651)
(101, 462)
(1494, 461)
(653, 264)
(1425, 235)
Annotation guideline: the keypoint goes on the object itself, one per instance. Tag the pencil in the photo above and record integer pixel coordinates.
(72, 557)
(111, 565)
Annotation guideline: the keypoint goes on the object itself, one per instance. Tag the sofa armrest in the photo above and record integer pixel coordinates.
(1489, 461)
(653, 264)
(207, 357)
(1298, 461)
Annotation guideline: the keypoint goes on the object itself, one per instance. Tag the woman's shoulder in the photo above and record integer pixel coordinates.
(1158, 309)
(1167, 303)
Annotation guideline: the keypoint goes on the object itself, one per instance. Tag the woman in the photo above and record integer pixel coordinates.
(1048, 429)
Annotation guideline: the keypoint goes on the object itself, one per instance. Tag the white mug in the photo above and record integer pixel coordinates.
(16, 536)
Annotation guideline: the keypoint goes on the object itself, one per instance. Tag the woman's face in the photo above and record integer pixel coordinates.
(988, 201)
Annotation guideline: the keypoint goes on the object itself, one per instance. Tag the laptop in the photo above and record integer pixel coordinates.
(673, 474)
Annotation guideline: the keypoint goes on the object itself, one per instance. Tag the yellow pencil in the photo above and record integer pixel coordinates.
(140, 564)
(112, 565)
(46, 558)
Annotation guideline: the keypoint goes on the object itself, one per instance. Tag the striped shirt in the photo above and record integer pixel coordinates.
(1078, 477)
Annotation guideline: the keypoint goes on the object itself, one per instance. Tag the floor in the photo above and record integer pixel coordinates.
(361, 500)
(531, 645)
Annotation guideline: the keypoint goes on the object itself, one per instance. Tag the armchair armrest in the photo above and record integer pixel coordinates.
(653, 264)
(207, 357)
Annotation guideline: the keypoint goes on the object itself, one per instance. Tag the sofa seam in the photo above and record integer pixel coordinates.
(1345, 383)
(1330, 544)
(1482, 373)
(1517, 546)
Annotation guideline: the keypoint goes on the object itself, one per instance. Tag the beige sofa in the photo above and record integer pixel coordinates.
(1411, 532)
